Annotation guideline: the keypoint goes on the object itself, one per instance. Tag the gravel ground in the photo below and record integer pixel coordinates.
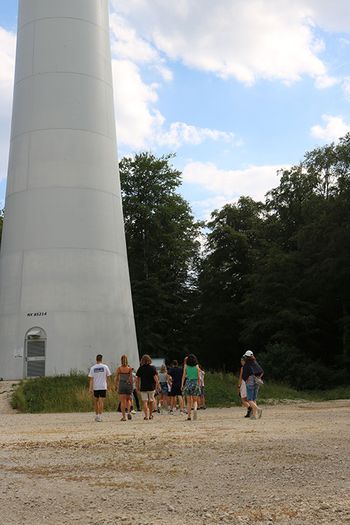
(291, 467)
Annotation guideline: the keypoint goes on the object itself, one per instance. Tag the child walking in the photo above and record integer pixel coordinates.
(165, 381)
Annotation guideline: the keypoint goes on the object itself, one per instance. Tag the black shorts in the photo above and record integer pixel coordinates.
(100, 393)
(175, 391)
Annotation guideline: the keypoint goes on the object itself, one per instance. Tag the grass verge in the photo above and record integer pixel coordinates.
(70, 394)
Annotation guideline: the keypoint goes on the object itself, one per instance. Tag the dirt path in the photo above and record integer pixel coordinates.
(6, 389)
(291, 467)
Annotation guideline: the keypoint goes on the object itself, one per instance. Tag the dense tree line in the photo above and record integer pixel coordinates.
(272, 276)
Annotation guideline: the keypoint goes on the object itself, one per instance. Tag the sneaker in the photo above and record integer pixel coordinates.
(133, 412)
(252, 417)
(99, 419)
(129, 416)
(259, 412)
(96, 418)
(194, 415)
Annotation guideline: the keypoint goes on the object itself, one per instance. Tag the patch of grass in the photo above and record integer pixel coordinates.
(221, 389)
(70, 393)
(57, 394)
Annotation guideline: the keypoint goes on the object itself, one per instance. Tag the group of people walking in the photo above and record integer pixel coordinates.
(175, 384)
(170, 385)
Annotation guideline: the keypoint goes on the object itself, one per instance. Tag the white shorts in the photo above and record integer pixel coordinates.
(147, 396)
(243, 389)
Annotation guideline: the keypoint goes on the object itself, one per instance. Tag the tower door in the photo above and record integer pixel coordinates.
(35, 352)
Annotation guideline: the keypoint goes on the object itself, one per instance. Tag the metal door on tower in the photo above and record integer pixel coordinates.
(35, 353)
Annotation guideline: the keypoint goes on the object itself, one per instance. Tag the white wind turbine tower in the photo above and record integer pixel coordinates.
(64, 280)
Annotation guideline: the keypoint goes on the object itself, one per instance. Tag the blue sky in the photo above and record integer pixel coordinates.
(237, 88)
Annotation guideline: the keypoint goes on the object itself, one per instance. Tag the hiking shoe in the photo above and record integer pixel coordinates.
(259, 412)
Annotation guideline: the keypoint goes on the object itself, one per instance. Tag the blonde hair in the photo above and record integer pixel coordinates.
(124, 360)
(163, 369)
(145, 360)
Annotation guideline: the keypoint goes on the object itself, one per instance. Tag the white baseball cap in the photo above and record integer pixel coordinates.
(248, 353)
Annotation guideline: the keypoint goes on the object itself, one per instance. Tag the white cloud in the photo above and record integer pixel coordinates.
(254, 181)
(326, 81)
(137, 118)
(331, 16)
(204, 208)
(181, 133)
(127, 45)
(7, 61)
(141, 125)
(334, 128)
(271, 39)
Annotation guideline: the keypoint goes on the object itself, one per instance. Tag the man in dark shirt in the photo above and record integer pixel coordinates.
(146, 383)
(176, 374)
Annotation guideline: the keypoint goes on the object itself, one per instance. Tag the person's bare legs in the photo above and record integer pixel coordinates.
(150, 408)
(145, 409)
(181, 403)
(172, 403)
(189, 406)
(165, 402)
(195, 406)
(245, 402)
(123, 405)
(254, 407)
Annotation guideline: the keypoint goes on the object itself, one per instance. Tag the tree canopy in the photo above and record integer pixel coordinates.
(163, 246)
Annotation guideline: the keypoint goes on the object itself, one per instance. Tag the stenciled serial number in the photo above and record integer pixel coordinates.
(36, 314)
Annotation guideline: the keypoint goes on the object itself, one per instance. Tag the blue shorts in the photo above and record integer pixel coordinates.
(252, 392)
(164, 388)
